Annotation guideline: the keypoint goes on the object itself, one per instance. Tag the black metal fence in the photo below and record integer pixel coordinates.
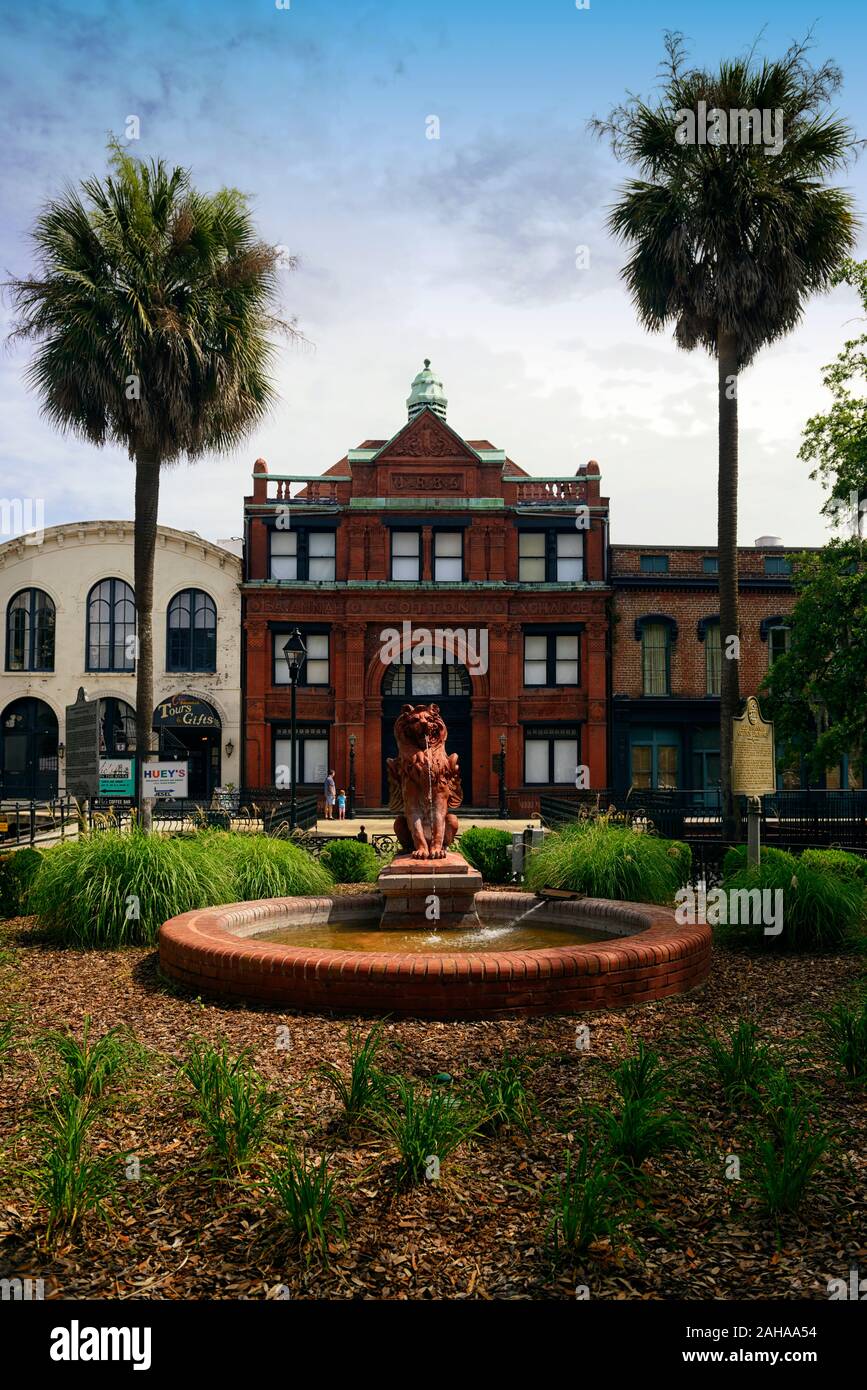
(803, 817)
(266, 808)
(29, 822)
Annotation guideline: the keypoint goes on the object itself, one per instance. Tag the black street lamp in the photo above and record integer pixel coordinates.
(295, 653)
(504, 812)
(351, 811)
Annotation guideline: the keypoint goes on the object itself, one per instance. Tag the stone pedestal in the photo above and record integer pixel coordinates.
(416, 889)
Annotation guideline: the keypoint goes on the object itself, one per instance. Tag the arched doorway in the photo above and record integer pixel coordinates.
(28, 750)
(432, 681)
(190, 729)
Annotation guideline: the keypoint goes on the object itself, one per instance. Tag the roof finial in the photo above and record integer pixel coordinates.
(426, 393)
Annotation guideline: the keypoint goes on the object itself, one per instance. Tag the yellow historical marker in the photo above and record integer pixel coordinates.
(754, 766)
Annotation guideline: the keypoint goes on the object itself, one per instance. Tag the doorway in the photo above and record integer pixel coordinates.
(28, 751)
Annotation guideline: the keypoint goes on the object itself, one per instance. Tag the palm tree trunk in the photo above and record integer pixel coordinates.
(727, 549)
(147, 497)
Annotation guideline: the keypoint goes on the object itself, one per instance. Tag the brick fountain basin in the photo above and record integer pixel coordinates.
(632, 953)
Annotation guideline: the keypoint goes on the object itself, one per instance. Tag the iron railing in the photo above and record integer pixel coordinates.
(28, 822)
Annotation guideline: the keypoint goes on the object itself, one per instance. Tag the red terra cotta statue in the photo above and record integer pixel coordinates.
(424, 782)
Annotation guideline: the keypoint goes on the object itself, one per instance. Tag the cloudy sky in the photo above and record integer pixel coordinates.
(461, 248)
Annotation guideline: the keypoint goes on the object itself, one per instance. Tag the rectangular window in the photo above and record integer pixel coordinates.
(654, 564)
(778, 643)
(654, 658)
(777, 564)
(284, 555)
(531, 557)
(551, 658)
(312, 760)
(712, 659)
(550, 756)
(320, 554)
(570, 557)
(448, 547)
(710, 564)
(642, 766)
(316, 668)
(406, 555)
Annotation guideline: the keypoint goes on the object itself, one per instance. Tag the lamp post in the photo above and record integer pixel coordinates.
(351, 811)
(504, 813)
(295, 654)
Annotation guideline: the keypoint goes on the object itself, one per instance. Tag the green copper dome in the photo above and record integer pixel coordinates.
(427, 390)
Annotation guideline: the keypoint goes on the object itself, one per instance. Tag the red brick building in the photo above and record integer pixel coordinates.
(667, 660)
(429, 567)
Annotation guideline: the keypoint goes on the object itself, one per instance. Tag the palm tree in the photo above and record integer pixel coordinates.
(728, 239)
(151, 308)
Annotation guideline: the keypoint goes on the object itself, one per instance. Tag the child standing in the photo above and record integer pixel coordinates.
(341, 805)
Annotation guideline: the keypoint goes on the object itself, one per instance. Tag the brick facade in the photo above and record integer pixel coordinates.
(454, 509)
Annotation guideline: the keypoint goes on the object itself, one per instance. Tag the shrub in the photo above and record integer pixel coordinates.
(231, 1101)
(351, 861)
(735, 858)
(585, 1199)
(846, 1036)
(116, 889)
(263, 867)
(820, 909)
(488, 850)
(838, 861)
(307, 1206)
(425, 1130)
(364, 1090)
(17, 872)
(605, 861)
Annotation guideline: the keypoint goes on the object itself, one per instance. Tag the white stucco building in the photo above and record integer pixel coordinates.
(69, 621)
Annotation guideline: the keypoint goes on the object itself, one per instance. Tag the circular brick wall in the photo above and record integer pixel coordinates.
(649, 957)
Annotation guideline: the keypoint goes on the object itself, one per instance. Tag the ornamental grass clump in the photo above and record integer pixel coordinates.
(361, 1093)
(116, 888)
(821, 910)
(265, 867)
(602, 860)
(231, 1101)
(306, 1203)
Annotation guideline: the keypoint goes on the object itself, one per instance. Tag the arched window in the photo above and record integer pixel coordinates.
(116, 728)
(111, 626)
(30, 632)
(431, 677)
(191, 641)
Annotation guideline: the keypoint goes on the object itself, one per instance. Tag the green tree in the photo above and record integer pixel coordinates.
(817, 691)
(836, 440)
(728, 239)
(152, 311)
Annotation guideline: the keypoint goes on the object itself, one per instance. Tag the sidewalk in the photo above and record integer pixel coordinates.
(382, 825)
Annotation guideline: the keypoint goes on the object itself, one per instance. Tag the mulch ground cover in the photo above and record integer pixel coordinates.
(480, 1231)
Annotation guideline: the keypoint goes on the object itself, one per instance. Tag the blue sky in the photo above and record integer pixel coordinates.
(461, 249)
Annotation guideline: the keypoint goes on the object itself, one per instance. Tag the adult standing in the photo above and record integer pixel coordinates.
(330, 794)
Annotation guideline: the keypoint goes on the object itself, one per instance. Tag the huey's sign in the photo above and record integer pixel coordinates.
(165, 781)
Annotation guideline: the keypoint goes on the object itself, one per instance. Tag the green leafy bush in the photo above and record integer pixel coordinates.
(351, 861)
(821, 910)
(838, 861)
(735, 858)
(606, 861)
(17, 872)
(113, 888)
(263, 867)
(489, 851)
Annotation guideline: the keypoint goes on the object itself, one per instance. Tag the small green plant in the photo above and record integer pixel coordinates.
(489, 850)
(426, 1130)
(364, 1090)
(502, 1096)
(786, 1150)
(88, 1066)
(68, 1183)
(230, 1100)
(17, 872)
(306, 1202)
(602, 860)
(846, 1038)
(585, 1200)
(739, 1062)
(8, 1028)
(644, 1125)
(642, 1077)
(351, 861)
